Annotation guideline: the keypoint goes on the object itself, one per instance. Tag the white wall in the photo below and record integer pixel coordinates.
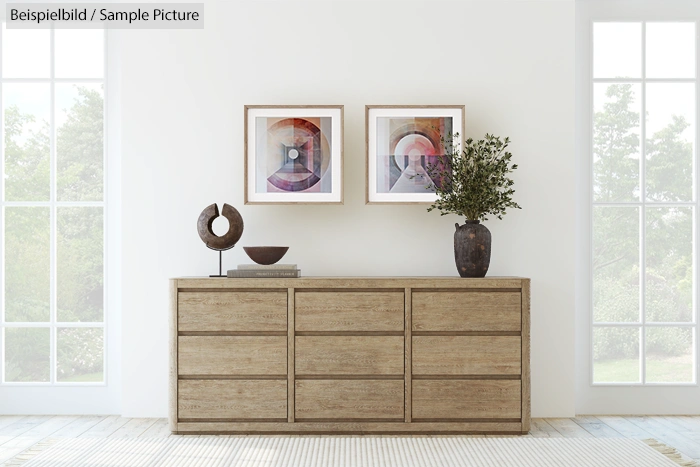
(510, 63)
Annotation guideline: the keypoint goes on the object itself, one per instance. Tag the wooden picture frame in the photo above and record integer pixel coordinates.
(293, 154)
(414, 130)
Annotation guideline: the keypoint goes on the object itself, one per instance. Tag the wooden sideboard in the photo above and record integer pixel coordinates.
(350, 355)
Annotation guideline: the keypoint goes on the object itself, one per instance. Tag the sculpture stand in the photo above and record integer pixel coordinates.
(213, 241)
(221, 252)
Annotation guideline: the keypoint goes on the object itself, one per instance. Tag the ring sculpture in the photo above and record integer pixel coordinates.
(226, 241)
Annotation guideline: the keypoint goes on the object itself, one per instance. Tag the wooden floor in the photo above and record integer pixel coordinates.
(18, 433)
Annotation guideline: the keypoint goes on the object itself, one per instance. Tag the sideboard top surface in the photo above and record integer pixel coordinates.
(351, 282)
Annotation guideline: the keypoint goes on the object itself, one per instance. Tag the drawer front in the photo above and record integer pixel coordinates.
(232, 311)
(232, 355)
(454, 399)
(466, 355)
(349, 355)
(349, 311)
(349, 399)
(239, 399)
(466, 311)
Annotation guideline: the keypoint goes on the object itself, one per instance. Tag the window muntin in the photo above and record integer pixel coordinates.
(644, 203)
(52, 312)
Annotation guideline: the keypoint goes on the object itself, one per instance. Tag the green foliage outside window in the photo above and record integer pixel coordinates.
(79, 241)
(616, 270)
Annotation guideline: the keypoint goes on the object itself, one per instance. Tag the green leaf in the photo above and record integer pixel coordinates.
(474, 181)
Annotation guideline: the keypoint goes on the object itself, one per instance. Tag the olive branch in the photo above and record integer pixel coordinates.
(473, 181)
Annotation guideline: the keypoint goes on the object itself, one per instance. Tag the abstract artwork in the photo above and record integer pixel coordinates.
(401, 143)
(293, 154)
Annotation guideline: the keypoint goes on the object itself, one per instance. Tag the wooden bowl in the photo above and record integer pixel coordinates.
(265, 254)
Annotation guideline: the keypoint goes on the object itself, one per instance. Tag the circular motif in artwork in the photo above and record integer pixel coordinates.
(298, 155)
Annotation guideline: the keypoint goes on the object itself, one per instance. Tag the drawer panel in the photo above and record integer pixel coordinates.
(232, 311)
(466, 355)
(453, 399)
(349, 355)
(232, 355)
(349, 399)
(466, 311)
(349, 311)
(239, 399)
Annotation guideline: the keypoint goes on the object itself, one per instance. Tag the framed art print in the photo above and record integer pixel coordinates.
(401, 141)
(293, 154)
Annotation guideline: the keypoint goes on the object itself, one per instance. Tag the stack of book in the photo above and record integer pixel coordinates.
(261, 270)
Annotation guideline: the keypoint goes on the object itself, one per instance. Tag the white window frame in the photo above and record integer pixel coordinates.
(80, 398)
(642, 204)
(642, 397)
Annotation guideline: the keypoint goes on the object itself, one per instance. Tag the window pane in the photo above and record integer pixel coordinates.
(79, 142)
(80, 355)
(616, 136)
(27, 264)
(615, 264)
(26, 141)
(669, 355)
(670, 50)
(669, 264)
(616, 355)
(26, 53)
(617, 50)
(79, 53)
(27, 354)
(670, 140)
(79, 249)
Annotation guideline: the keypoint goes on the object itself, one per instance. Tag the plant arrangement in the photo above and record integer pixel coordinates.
(473, 181)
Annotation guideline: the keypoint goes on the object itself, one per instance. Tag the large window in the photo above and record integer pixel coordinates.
(52, 184)
(644, 203)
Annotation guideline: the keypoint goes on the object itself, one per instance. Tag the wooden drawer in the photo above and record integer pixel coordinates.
(454, 399)
(349, 355)
(232, 399)
(466, 355)
(232, 311)
(349, 311)
(466, 311)
(232, 355)
(349, 399)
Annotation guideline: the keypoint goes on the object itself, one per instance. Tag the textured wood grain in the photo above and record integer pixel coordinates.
(232, 355)
(420, 428)
(232, 311)
(348, 350)
(525, 371)
(349, 311)
(291, 303)
(43, 428)
(84, 423)
(134, 428)
(568, 428)
(466, 355)
(108, 426)
(173, 358)
(232, 399)
(452, 399)
(408, 387)
(351, 283)
(346, 355)
(349, 399)
(94, 426)
(466, 311)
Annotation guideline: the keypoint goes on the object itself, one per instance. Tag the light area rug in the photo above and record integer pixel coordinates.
(365, 451)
